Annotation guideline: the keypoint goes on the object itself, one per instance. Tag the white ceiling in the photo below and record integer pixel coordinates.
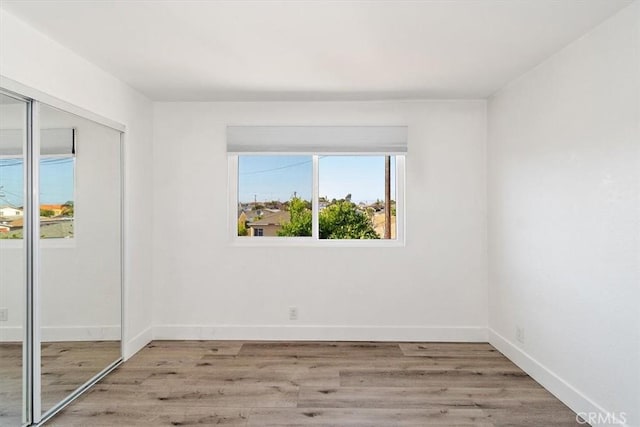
(315, 50)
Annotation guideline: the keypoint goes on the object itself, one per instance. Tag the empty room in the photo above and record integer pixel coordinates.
(320, 213)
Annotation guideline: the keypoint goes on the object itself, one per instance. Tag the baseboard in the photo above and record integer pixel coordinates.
(136, 343)
(64, 333)
(565, 392)
(320, 333)
(11, 334)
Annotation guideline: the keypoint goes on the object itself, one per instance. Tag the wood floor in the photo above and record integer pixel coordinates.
(313, 383)
(65, 366)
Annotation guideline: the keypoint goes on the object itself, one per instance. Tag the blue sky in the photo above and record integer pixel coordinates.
(265, 177)
(278, 177)
(56, 178)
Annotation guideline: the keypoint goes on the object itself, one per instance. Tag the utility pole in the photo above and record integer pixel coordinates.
(387, 197)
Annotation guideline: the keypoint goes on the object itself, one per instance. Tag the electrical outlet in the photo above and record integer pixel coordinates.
(293, 313)
(4, 314)
(520, 334)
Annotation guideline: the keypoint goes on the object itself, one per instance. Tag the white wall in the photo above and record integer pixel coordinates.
(35, 60)
(432, 289)
(564, 223)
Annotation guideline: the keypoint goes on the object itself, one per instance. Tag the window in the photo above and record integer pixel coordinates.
(284, 192)
(57, 167)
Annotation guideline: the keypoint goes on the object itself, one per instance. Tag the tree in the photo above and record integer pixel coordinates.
(242, 224)
(343, 220)
(242, 229)
(300, 219)
(67, 208)
(340, 220)
(48, 213)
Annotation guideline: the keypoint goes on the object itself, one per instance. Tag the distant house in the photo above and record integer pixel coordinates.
(269, 224)
(15, 224)
(8, 211)
(378, 224)
(11, 225)
(56, 209)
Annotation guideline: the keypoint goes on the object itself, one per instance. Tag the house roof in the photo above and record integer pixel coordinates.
(51, 207)
(275, 218)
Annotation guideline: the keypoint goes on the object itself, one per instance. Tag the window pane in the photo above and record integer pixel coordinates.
(352, 199)
(274, 195)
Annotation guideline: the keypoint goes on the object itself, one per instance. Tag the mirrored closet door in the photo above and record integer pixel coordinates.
(80, 251)
(60, 256)
(13, 288)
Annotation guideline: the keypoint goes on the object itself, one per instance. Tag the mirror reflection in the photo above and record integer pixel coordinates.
(13, 120)
(80, 256)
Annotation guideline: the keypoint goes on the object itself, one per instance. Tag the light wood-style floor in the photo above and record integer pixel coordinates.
(65, 366)
(317, 383)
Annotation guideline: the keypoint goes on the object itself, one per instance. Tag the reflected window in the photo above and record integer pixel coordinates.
(57, 189)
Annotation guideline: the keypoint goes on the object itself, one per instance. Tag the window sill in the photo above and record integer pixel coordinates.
(274, 242)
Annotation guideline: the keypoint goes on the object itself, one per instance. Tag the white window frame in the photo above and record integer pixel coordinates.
(314, 239)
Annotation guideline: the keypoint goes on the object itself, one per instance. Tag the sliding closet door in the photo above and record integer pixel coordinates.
(13, 291)
(80, 252)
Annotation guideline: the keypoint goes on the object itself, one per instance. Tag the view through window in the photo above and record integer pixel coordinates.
(356, 196)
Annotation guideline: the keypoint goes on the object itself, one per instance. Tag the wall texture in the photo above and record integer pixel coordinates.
(564, 223)
(35, 60)
(432, 289)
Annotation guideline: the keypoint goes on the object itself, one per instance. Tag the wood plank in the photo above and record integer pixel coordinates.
(552, 414)
(479, 350)
(147, 415)
(281, 377)
(368, 417)
(424, 378)
(321, 349)
(347, 362)
(421, 397)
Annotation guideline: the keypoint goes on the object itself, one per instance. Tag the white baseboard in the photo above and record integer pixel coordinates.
(565, 392)
(319, 333)
(64, 333)
(136, 343)
(11, 334)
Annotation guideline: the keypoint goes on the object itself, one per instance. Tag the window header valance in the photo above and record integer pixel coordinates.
(317, 139)
(53, 142)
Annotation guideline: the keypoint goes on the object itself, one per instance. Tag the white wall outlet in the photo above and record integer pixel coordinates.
(293, 313)
(520, 334)
(4, 314)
